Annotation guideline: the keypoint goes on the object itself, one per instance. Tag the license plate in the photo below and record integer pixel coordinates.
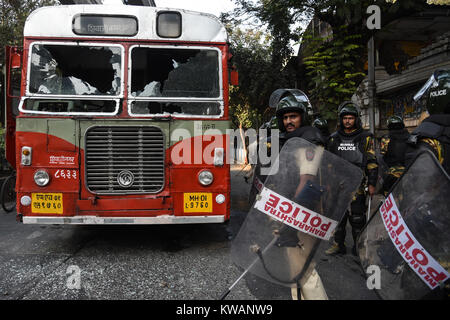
(47, 203)
(198, 202)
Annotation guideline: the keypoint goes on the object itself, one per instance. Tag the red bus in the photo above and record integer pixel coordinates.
(122, 116)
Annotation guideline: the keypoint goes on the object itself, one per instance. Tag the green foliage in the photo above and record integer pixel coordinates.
(2, 140)
(245, 116)
(251, 58)
(13, 14)
(335, 70)
(262, 58)
(334, 66)
(259, 75)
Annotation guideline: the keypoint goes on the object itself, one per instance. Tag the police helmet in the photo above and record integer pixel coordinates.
(395, 122)
(290, 104)
(349, 108)
(438, 101)
(320, 123)
(290, 100)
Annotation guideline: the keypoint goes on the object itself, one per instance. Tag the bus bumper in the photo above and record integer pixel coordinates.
(92, 220)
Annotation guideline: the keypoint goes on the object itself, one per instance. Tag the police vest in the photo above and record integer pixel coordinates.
(395, 155)
(350, 147)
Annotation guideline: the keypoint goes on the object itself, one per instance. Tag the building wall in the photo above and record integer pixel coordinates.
(395, 92)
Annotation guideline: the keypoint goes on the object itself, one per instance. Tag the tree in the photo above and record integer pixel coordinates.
(335, 67)
(13, 14)
(251, 57)
(337, 13)
(258, 64)
(262, 59)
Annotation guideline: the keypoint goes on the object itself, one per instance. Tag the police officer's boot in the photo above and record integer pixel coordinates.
(357, 222)
(336, 248)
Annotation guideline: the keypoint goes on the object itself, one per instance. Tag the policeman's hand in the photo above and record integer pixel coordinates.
(371, 190)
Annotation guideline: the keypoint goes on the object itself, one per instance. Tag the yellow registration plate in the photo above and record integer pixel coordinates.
(198, 202)
(47, 203)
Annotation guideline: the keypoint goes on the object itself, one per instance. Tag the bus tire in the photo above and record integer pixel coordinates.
(8, 193)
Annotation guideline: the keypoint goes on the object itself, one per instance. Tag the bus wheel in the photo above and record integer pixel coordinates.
(8, 193)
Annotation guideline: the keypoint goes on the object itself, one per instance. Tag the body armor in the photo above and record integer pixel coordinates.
(396, 148)
(434, 134)
(350, 146)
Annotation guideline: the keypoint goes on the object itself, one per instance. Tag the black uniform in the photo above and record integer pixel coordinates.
(393, 149)
(308, 133)
(432, 134)
(356, 147)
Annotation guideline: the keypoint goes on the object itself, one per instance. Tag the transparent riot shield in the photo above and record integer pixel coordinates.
(408, 240)
(302, 201)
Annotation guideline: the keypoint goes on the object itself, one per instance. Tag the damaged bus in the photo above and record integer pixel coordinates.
(122, 116)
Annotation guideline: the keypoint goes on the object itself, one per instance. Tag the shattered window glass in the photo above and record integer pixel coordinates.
(174, 108)
(160, 72)
(75, 70)
(71, 106)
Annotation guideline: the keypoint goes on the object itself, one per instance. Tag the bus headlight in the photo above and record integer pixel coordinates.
(41, 178)
(205, 177)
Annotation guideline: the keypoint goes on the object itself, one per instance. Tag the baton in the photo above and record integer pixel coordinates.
(225, 294)
(368, 209)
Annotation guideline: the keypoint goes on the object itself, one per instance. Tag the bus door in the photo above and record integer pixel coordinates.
(12, 99)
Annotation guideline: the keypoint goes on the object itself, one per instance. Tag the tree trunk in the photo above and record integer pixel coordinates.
(241, 131)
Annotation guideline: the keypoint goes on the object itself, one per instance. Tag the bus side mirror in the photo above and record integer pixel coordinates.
(16, 60)
(234, 77)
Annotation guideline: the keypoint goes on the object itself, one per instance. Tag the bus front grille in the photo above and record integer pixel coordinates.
(121, 160)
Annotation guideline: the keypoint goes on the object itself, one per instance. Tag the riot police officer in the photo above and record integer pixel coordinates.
(292, 119)
(421, 200)
(434, 132)
(393, 148)
(292, 116)
(355, 145)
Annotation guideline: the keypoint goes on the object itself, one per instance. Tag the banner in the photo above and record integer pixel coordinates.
(423, 264)
(295, 215)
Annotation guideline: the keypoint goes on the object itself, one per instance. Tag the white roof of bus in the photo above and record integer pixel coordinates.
(56, 21)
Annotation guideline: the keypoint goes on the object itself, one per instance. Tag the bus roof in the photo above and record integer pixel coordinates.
(56, 21)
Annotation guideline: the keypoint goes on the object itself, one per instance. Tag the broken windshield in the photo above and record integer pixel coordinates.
(163, 72)
(176, 108)
(75, 70)
(72, 106)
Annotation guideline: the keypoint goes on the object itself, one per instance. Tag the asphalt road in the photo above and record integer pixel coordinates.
(179, 262)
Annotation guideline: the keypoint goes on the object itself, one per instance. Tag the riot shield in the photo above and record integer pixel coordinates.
(303, 199)
(407, 239)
